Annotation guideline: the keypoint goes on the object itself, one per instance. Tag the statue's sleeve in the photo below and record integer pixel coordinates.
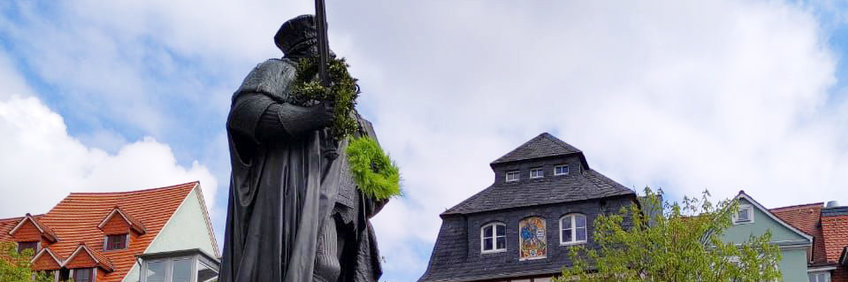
(260, 113)
(246, 114)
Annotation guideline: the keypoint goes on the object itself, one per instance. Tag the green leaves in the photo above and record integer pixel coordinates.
(671, 242)
(374, 172)
(343, 91)
(16, 266)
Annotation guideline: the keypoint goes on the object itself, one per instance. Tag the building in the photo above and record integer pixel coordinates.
(828, 225)
(162, 232)
(752, 219)
(521, 228)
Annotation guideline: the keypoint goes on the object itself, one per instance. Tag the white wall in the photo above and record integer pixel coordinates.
(185, 230)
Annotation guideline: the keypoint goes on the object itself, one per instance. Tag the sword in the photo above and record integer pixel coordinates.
(330, 146)
(323, 45)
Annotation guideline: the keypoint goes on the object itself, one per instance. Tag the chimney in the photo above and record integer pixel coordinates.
(832, 204)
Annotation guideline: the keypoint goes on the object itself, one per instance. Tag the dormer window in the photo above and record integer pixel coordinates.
(115, 242)
(561, 170)
(493, 238)
(83, 275)
(22, 246)
(745, 214)
(537, 173)
(512, 176)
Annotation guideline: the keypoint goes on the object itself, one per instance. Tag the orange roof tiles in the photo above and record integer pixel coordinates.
(76, 218)
(97, 258)
(45, 230)
(806, 218)
(136, 225)
(6, 225)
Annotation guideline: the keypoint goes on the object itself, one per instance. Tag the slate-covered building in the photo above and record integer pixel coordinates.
(543, 201)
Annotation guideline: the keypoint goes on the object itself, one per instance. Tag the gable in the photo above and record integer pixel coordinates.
(188, 228)
(26, 232)
(45, 261)
(763, 220)
(115, 225)
(82, 259)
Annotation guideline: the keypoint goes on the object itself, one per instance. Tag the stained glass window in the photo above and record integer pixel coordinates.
(532, 239)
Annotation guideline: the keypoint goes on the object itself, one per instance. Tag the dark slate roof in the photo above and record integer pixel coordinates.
(542, 146)
(835, 211)
(548, 190)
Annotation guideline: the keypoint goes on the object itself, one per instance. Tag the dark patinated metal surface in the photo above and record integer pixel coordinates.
(293, 215)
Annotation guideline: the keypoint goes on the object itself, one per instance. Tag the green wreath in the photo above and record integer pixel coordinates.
(343, 91)
(374, 172)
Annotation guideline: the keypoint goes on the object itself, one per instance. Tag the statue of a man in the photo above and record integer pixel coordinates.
(293, 214)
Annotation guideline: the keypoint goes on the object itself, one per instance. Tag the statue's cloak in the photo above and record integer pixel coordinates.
(282, 192)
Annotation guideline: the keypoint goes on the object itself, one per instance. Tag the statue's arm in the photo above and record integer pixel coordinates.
(262, 119)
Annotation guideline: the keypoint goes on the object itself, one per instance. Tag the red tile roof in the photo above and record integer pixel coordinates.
(136, 225)
(835, 230)
(6, 225)
(806, 218)
(99, 259)
(76, 218)
(45, 230)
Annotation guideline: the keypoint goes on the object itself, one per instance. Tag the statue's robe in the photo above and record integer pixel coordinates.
(293, 215)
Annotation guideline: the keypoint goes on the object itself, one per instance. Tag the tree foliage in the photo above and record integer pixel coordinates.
(16, 266)
(672, 242)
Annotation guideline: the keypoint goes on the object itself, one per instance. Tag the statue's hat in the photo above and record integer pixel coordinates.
(294, 32)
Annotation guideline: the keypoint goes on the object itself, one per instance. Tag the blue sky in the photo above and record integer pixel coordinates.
(686, 96)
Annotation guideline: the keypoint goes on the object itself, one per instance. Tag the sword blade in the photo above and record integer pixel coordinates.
(323, 44)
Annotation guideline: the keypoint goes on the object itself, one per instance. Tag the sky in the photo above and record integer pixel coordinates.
(722, 95)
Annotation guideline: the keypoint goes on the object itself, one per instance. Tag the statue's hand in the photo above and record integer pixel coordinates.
(322, 114)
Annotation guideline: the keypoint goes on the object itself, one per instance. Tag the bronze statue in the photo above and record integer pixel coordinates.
(293, 213)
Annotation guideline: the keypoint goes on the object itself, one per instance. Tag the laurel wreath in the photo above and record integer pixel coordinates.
(342, 92)
(375, 174)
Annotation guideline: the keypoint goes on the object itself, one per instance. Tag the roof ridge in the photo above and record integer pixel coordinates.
(135, 191)
(556, 141)
(819, 204)
(21, 217)
(536, 148)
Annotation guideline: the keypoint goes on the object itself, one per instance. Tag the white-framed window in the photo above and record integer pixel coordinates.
(493, 238)
(537, 173)
(819, 276)
(572, 229)
(511, 176)
(560, 170)
(744, 215)
(116, 242)
(182, 268)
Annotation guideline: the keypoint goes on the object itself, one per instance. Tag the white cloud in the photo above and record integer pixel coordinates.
(720, 95)
(41, 163)
(724, 95)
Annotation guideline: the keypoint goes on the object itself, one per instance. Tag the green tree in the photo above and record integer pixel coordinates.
(660, 241)
(16, 266)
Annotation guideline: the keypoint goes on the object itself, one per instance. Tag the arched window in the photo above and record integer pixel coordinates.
(572, 229)
(493, 237)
